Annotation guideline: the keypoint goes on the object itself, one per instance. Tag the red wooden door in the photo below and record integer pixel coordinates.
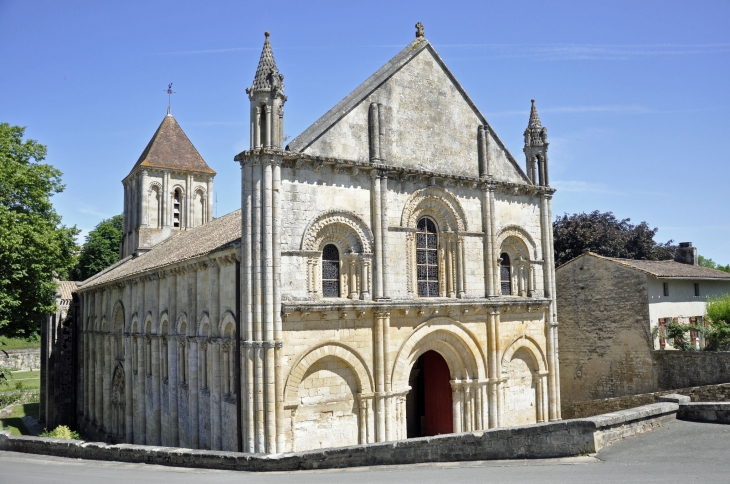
(439, 412)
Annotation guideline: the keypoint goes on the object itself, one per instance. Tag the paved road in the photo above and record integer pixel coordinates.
(679, 452)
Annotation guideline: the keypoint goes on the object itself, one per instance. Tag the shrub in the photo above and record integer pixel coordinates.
(718, 319)
(61, 432)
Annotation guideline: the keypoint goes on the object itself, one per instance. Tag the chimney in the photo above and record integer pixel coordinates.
(686, 254)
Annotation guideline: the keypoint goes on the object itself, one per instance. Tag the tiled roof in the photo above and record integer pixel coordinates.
(213, 236)
(669, 268)
(65, 288)
(171, 148)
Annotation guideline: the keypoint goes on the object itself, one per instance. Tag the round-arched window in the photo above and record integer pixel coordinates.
(427, 258)
(504, 275)
(330, 271)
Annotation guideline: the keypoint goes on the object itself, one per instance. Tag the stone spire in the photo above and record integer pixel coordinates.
(267, 75)
(536, 146)
(267, 99)
(534, 118)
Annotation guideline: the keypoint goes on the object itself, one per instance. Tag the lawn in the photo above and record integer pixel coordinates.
(13, 422)
(25, 380)
(19, 343)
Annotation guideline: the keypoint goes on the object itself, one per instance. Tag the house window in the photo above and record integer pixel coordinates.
(504, 275)
(427, 258)
(697, 289)
(330, 271)
(666, 289)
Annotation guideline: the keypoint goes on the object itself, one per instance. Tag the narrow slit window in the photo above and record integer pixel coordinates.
(176, 209)
(505, 275)
(666, 289)
(427, 258)
(330, 271)
(697, 289)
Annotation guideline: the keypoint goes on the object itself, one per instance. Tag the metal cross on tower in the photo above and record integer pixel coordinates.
(170, 92)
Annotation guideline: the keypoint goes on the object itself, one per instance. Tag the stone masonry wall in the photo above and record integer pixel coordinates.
(605, 343)
(25, 359)
(679, 369)
(708, 393)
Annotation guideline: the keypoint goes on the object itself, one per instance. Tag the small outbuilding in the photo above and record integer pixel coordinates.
(608, 309)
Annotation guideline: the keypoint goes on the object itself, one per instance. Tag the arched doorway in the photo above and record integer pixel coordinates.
(429, 407)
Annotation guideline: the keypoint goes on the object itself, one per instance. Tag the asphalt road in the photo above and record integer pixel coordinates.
(678, 452)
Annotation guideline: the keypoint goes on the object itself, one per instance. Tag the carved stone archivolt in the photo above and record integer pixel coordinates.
(342, 225)
(437, 203)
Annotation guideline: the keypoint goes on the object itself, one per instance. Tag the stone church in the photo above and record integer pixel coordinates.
(389, 275)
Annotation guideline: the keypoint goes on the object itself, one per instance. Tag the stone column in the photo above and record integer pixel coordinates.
(379, 375)
(388, 407)
(172, 377)
(383, 174)
(456, 400)
(140, 433)
(164, 199)
(99, 382)
(362, 421)
(128, 389)
(460, 267)
(352, 262)
(215, 397)
(377, 232)
(365, 278)
(209, 211)
(267, 253)
(155, 438)
(193, 392)
(493, 369)
(144, 191)
(269, 130)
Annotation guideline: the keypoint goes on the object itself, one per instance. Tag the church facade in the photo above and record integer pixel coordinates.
(389, 275)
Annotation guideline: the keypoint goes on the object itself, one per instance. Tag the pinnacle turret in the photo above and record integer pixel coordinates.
(536, 147)
(534, 118)
(267, 76)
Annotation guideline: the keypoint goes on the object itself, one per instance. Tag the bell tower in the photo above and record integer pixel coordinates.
(536, 147)
(267, 99)
(169, 190)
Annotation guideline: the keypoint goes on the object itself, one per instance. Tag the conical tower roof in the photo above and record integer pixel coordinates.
(170, 148)
(534, 118)
(267, 75)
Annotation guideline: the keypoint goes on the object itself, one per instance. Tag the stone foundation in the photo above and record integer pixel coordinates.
(546, 440)
(25, 359)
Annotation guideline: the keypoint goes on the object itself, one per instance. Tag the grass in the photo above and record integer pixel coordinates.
(13, 422)
(24, 380)
(19, 343)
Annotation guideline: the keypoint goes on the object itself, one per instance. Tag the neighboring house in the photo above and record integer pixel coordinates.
(608, 309)
(394, 267)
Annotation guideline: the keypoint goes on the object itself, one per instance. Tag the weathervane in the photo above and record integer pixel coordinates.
(170, 92)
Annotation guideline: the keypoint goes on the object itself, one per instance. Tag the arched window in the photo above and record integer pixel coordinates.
(176, 208)
(504, 275)
(427, 258)
(330, 271)
(199, 209)
(154, 208)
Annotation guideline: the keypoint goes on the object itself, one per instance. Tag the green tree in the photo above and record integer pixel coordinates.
(605, 235)
(718, 320)
(101, 248)
(705, 262)
(34, 245)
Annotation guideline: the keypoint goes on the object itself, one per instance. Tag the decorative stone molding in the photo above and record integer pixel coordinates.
(346, 225)
(438, 203)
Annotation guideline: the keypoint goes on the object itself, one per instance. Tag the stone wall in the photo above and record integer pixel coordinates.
(605, 343)
(709, 393)
(680, 369)
(25, 359)
(554, 439)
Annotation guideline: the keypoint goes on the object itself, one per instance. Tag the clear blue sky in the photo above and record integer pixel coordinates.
(634, 94)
